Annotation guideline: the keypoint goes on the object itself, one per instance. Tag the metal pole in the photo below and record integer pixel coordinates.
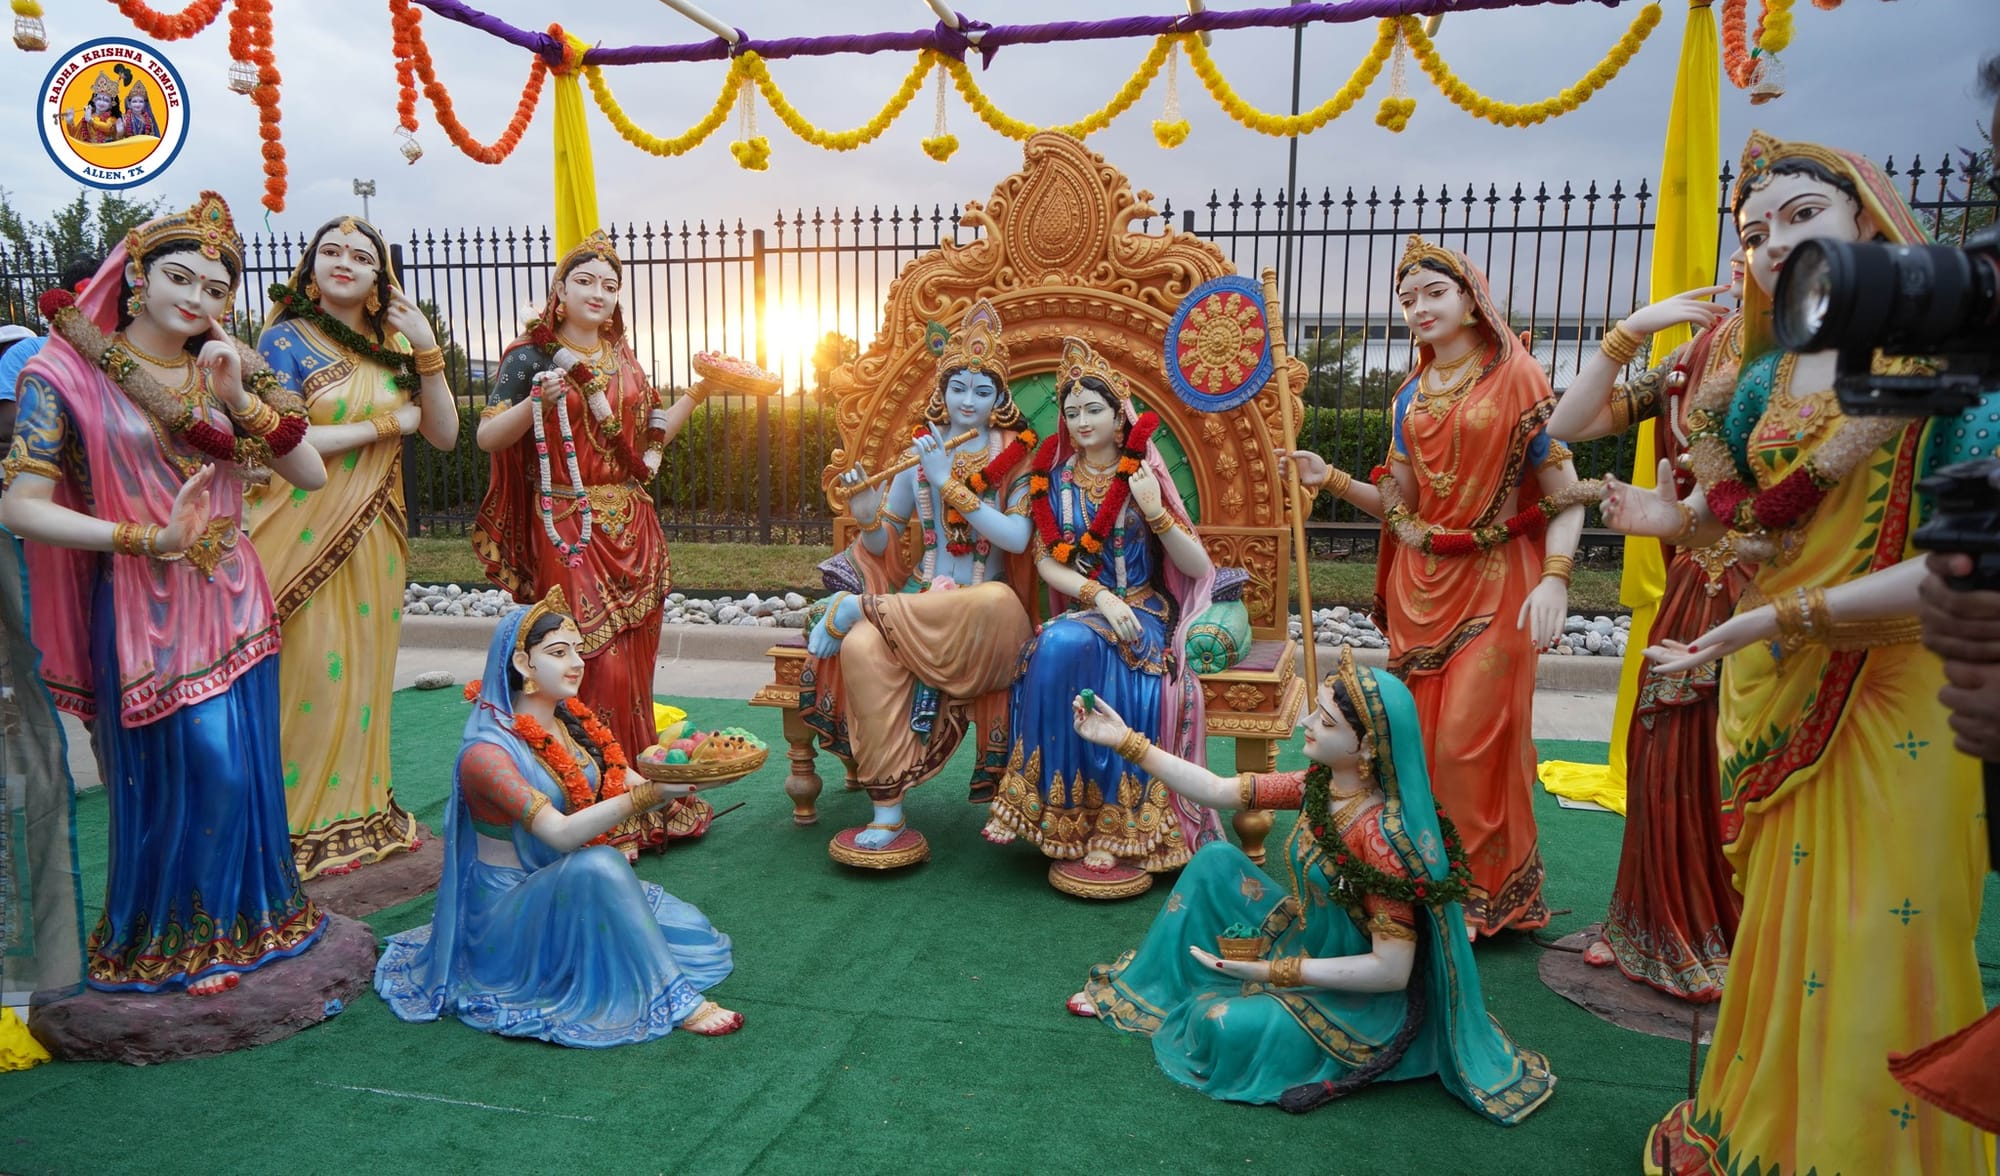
(759, 294)
(1292, 159)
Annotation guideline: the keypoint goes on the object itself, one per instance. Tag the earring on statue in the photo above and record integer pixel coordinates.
(136, 305)
(560, 312)
(528, 686)
(312, 289)
(1471, 317)
(374, 302)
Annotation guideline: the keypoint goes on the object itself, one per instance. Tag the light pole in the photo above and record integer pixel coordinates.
(364, 189)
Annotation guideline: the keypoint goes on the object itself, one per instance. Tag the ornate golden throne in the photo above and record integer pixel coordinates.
(1058, 257)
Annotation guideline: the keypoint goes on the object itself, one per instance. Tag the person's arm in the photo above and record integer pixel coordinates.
(437, 416)
(1591, 406)
(893, 508)
(1385, 967)
(1009, 529)
(1888, 594)
(1542, 613)
(1103, 726)
(497, 793)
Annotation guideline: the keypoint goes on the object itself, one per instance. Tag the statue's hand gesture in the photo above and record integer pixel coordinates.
(1313, 470)
(934, 457)
(193, 506)
(223, 366)
(1100, 724)
(1145, 491)
(1630, 510)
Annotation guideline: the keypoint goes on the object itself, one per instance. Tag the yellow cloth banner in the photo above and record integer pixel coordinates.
(575, 174)
(1684, 247)
(1574, 781)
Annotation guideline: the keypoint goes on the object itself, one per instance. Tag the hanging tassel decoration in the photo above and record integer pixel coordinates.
(752, 150)
(1171, 129)
(942, 142)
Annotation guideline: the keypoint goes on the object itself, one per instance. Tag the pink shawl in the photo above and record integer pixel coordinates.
(181, 638)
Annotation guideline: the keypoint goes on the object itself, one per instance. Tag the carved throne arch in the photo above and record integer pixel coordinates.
(1058, 256)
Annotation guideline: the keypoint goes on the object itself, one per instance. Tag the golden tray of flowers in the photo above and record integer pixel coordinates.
(726, 373)
(721, 757)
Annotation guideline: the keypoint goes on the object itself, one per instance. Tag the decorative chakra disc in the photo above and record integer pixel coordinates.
(1218, 347)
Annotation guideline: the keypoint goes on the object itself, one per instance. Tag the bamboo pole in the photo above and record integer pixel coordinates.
(1274, 323)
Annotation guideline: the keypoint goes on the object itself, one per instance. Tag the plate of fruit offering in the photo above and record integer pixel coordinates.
(705, 758)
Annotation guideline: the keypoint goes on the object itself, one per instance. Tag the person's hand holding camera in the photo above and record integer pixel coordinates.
(1964, 629)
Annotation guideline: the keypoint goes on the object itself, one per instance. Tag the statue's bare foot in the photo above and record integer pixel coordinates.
(885, 828)
(712, 1020)
(996, 834)
(1598, 954)
(214, 985)
(1098, 859)
(1081, 1005)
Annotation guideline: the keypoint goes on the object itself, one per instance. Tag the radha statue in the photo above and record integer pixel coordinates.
(344, 336)
(126, 480)
(901, 670)
(1481, 516)
(1673, 908)
(1828, 708)
(576, 432)
(1369, 975)
(1120, 556)
(541, 928)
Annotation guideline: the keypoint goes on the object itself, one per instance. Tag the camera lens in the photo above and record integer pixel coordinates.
(1900, 298)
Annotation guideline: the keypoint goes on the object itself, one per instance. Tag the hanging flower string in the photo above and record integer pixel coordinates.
(590, 381)
(1081, 553)
(1509, 114)
(413, 62)
(570, 554)
(175, 27)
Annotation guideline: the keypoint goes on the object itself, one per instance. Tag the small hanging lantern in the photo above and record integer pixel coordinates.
(29, 35)
(1767, 80)
(242, 76)
(411, 149)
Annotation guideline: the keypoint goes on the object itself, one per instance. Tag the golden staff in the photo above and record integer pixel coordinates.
(1274, 324)
(909, 460)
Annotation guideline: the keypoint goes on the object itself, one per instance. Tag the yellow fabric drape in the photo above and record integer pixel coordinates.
(1684, 244)
(18, 1048)
(575, 175)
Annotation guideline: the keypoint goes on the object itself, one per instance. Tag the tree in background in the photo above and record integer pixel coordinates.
(32, 252)
(832, 350)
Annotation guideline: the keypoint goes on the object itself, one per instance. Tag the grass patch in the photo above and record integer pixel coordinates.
(740, 567)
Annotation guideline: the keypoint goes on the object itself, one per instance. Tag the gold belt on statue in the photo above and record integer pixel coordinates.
(210, 547)
(613, 506)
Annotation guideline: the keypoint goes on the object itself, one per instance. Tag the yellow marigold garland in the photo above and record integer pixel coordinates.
(652, 144)
(1776, 35)
(1133, 89)
(1304, 123)
(753, 66)
(1509, 114)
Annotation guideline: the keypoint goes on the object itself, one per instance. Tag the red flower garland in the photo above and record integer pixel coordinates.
(996, 472)
(563, 766)
(1782, 507)
(1092, 542)
(413, 61)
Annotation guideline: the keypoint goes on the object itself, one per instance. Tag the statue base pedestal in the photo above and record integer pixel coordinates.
(1119, 881)
(908, 849)
(403, 875)
(272, 1003)
(1612, 996)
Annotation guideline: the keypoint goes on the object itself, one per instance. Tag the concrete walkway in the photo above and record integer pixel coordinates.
(1574, 699)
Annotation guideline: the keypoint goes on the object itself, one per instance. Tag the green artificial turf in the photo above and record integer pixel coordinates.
(906, 1022)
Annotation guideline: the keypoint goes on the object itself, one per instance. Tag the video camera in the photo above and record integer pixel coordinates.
(1932, 301)
(1929, 301)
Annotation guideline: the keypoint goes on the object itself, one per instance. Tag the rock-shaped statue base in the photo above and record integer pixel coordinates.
(908, 849)
(272, 1003)
(1607, 993)
(380, 885)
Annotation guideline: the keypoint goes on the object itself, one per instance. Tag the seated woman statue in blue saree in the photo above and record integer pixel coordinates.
(1117, 549)
(541, 929)
(1367, 974)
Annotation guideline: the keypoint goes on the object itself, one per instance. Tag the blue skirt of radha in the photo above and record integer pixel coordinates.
(579, 952)
(1073, 652)
(201, 879)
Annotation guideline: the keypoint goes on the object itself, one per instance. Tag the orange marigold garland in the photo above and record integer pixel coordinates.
(413, 61)
(250, 27)
(577, 793)
(177, 26)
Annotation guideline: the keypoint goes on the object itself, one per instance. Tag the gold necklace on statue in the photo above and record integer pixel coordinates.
(1091, 481)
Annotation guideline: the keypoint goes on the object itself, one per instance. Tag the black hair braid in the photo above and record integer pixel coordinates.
(1310, 1096)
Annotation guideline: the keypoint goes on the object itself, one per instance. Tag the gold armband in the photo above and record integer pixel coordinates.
(1690, 523)
(1161, 523)
(1246, 790)
(430, 361)
(1088, 592)
(1559, 566)
(258, 418)
(1288, 972)
(1134, 746)
(388, 426)
(1337, 482)
(959, 496)
(140, 539)
(646, 794)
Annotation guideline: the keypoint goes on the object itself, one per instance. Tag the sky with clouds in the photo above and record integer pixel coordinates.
(1882, 78)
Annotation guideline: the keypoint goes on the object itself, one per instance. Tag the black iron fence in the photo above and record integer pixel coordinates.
(802, 294)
